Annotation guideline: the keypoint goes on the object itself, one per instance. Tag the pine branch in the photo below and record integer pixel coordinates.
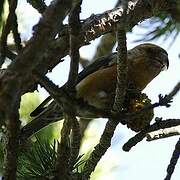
(163, 133)
(105, 140)
(173, 161)
(154, 127)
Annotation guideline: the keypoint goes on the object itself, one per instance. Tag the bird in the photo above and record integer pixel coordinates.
(96, 84)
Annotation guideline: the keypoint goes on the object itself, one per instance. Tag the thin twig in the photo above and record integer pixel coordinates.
(163, 101)
(173, 161)
(173, 92)
(6, 29)
(16, 35)
(60, 95)
(11, 55)
(63, 152)
(154, 127)
(74, 30)
(101, 148)
(75, 142)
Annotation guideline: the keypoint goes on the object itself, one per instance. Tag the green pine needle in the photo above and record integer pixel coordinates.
(38, 162)
(163, 26)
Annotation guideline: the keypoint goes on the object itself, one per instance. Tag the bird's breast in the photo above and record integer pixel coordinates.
(98, 88)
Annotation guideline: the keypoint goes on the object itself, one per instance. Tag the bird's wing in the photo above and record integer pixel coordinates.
(99, 63)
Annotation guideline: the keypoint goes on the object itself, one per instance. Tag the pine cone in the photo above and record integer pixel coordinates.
(144, 118)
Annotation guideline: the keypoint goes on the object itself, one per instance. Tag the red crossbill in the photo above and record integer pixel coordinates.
(97, 88)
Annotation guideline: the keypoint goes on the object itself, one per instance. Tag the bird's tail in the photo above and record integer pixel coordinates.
(45, 118)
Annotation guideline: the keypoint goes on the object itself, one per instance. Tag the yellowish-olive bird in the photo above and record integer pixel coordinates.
(96, 86)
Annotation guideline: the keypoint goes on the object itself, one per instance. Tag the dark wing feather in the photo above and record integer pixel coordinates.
(99, 63)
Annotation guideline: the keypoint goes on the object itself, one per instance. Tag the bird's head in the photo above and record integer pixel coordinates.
(147, 61)
(157, 56)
